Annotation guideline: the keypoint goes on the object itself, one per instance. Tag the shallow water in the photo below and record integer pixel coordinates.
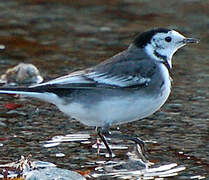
(62, 36)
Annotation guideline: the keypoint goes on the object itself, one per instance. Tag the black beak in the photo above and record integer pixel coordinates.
(190, 40)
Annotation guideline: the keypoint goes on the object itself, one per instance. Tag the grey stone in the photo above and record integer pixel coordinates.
(53, 174)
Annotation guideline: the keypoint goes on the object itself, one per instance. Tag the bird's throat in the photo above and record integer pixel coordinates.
(160, 56)
(164, 59)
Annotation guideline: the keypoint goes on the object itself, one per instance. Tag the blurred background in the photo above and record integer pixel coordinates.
(60, 36)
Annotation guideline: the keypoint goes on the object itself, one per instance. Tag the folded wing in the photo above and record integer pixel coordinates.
(122, 70)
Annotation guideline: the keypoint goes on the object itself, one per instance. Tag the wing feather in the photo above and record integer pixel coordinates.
(77, 77)
(125, 69)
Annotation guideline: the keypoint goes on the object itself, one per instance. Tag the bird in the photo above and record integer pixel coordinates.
(128, 86)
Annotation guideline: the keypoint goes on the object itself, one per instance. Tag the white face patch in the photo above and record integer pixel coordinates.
(164, 45)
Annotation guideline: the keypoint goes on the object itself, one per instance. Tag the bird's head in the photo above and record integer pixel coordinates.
(162, 43)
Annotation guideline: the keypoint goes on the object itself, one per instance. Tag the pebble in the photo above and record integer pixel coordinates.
(2, 124)
(53, 174)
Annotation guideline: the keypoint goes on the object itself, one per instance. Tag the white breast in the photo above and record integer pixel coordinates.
(166, 88)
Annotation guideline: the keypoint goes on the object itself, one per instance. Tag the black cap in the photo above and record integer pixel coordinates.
(141, 40)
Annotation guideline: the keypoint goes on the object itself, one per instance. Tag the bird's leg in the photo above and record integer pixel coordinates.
(140, 148)
(101, 133)
(98, 144)
(140, 145)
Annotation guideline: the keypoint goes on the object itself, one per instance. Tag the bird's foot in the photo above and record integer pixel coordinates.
(102, 132)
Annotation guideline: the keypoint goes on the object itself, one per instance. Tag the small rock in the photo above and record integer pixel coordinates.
(2, 46)
(22, 74)
(2, 124)
(2, 119)
(105, 29)
(53, 174)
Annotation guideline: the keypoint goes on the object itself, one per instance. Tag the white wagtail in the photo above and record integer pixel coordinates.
(127, 87)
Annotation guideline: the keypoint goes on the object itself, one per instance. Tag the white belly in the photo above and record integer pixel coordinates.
(119, 110)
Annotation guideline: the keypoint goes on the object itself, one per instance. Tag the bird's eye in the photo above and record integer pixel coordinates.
(168, 39)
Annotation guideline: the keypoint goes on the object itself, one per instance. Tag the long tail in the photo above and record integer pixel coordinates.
(32, 92)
